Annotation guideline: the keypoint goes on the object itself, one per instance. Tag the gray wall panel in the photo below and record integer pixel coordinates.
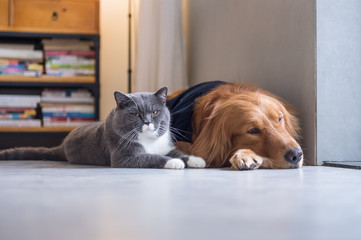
(338, 80)
(269, 43)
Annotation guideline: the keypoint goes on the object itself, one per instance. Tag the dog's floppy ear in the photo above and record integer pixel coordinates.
(212, 141)
(291, 122)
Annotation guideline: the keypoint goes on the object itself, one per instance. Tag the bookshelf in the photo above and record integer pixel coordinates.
(45, 136)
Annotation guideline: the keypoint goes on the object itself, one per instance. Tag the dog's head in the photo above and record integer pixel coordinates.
(234, 117)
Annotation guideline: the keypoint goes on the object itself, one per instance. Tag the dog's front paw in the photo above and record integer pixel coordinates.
(174, 163)
(245, 159)
(196, 162)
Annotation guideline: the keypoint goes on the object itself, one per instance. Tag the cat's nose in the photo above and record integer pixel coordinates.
(148, 127)
(146, 122)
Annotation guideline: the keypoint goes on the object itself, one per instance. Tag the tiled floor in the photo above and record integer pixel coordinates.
(51, 200)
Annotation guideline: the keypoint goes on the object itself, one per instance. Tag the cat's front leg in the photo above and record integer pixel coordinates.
(190, 160)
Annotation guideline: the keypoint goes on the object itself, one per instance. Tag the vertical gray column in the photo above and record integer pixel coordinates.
(338, 80)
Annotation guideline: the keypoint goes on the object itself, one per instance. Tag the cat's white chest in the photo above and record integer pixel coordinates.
(156, 145)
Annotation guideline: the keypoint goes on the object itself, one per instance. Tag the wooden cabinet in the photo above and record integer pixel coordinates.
(61, 16)
(31, 21)
(4, 13)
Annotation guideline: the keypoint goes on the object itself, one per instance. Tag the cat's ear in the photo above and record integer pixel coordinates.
(162, 94)
(122, 99)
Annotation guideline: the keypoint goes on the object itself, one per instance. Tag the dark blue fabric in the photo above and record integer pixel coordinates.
(181, 109)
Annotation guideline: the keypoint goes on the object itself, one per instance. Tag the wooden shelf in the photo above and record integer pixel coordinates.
(48, 30)
(50, 79)
(36, 129)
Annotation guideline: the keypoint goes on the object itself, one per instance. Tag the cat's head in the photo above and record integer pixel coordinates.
(142, 113)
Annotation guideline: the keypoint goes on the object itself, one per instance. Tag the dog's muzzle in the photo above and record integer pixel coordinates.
(294, 156)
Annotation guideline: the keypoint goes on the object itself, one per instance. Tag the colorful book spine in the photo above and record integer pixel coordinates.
(66, 121)
(21, 54)
(20, 67)
(25, 110)
(67, 108)
(16, 116)
(66, 93)
(67, 100)
(20, 123)
(71, 53)
(68, 114)
(30, 101)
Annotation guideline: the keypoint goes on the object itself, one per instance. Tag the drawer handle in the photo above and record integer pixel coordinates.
(54, 16)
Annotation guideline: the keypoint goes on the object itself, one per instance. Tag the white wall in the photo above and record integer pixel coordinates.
(269, 43)
(338, 80)
(113, 52)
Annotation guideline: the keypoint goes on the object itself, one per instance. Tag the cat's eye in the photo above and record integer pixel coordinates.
(136, 114)
(280, 120)
(254, 131)
(155, 113)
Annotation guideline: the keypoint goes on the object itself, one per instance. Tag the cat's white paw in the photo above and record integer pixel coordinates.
(174, 163)
(196, 162)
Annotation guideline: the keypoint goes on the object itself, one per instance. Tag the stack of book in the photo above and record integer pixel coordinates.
(67, 107)
(69, 57)
(20, 60)
(19, 110)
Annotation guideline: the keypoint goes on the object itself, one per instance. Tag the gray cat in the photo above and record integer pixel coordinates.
(136, 134)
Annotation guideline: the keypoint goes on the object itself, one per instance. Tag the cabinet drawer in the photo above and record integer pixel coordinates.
(4, 12)
(65, 16)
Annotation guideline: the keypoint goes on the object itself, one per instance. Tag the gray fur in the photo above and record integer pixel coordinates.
(113, 142)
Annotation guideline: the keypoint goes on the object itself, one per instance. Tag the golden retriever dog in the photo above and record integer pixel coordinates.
(237, 125)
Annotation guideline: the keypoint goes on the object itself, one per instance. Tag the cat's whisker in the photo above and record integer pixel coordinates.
(126, 135)
(164, 129)
(174, 128)
(173, 138)
(174, 132)
(177, 131)
(126, 139)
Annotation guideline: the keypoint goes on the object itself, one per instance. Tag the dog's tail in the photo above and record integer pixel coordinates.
(34, 153)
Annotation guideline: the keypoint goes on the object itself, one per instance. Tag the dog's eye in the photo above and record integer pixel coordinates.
(280, 120)
(254, 131)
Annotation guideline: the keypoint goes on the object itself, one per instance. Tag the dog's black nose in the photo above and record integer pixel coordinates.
(294, 156)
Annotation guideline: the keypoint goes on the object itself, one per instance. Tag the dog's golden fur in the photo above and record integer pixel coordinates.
(244, 127)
